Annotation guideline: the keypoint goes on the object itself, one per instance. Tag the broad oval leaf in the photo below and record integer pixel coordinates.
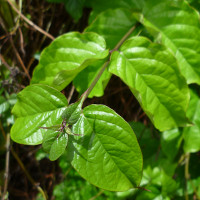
(191, 135)
(66, 56)
(177, 25)
(37, 106)
(58, 147)
(108, 155)
(152, 74)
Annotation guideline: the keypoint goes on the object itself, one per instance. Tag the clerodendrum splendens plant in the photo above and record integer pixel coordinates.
(153, 47)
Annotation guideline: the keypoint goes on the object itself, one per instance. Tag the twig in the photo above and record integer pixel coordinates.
(70, 94)
(98, 194)
(124, 38)
(28, 175)
(19, 59)
(20, 164)
(6, 166)
(187, 175)
(87, 92)
(4, 62)
(2, 131)
(30, 22)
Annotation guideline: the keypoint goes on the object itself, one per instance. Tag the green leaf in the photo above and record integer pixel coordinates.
(108, 155)
(177, 25)
(72, 113)
(58, 147)
(152, 75)
(191, 134)
(112, 25)
(37, 106)
(66, 56)
(84, 79)
(170, 142)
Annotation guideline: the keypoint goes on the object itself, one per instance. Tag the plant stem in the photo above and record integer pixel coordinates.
(187, 175)
(124, 38)
(28, 175)
(6, 174)
(87, 92)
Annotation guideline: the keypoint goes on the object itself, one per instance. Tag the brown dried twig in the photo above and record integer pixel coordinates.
(30, 22)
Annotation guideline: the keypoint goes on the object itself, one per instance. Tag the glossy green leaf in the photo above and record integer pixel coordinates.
(177, 25)
(191, 134)
(37, 106)
(84, 79)
(152, 75)
(66, 56)
(108, 155)
(58, 147)
(170, 142)
(112, 25)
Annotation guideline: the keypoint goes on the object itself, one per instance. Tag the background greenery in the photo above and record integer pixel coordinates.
(169, 29)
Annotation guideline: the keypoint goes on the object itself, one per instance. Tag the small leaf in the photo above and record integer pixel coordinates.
(108, 155)
(152, 75)
(37, 106)
(66, 56)
(72, 113)
(58, 147)
(48, 139)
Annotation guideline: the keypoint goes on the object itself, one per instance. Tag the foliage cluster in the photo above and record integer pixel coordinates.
(154, 48)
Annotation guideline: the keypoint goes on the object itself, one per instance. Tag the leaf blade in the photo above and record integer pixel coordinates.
(152, 75)
(108, 155)
(177, 25)
(37, 106)
(66, 56)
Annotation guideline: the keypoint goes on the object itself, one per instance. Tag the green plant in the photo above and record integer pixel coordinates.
(154, 48)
